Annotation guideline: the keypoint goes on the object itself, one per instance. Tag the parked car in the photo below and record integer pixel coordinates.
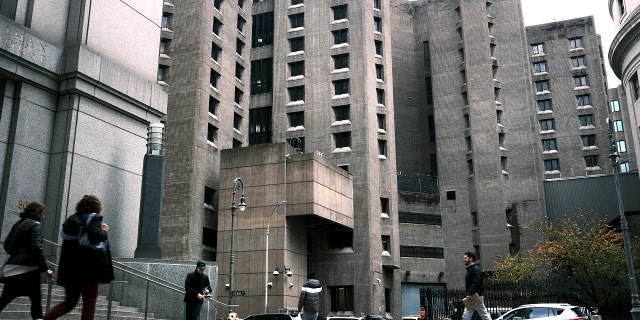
(271, 316)
(374, 317)
(546, 311)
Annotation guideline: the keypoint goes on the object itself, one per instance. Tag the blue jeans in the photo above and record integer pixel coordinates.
(309, 315)
(192, 311)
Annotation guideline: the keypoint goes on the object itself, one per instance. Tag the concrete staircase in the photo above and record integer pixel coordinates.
(20, 308)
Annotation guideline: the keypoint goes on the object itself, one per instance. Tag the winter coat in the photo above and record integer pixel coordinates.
(195, 283)
(473, 280)
(310, 296)
(76, 265)
(24, 244)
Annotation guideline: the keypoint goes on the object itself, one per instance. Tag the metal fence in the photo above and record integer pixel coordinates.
(417, 183)
(500, 298)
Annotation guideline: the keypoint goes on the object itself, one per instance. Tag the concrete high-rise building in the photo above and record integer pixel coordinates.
(79, 89)
(430, 106)
(462, 97)
(424, 128)
(317, 74)
(208, 85)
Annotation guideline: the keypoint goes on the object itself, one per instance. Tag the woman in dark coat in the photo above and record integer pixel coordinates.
(26, 260)
(80, 271)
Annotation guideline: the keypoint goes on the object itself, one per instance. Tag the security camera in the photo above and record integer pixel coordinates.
(289, 273)
(290, 285)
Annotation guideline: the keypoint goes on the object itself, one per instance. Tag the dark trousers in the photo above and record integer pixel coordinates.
(89, 292)
(25, 284)
(192, 310)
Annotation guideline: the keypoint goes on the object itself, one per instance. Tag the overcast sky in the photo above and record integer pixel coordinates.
(543, 11)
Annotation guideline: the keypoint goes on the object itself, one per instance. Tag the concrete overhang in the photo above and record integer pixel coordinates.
(316, 189)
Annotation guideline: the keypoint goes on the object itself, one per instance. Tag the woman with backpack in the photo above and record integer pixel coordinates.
(82, 268)
(26, 260)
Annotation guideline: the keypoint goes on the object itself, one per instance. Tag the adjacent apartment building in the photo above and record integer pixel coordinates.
(567, 69)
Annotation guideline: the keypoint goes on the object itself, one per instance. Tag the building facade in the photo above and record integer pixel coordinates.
(624, 57)
(620, 117)
(567, 69)
(305, 204)
(470, 79)
(431, 107)
(317, 75)
(79, 90)
(208, 111)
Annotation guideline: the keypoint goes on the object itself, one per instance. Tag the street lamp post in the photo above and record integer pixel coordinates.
(266, 256)
(615, 159)
(237, 185)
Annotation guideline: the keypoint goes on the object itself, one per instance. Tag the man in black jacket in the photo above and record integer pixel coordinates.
(196, 287)
(473, 285)
(309, 301)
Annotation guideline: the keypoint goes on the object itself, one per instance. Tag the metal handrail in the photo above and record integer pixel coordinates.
(149, 278)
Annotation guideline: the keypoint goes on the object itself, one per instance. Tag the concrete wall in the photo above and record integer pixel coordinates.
(319, 199)
(596, 194)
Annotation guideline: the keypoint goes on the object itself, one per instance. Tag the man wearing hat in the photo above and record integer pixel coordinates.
(196, 287)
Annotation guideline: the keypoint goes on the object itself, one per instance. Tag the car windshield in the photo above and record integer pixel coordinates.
(522, 312)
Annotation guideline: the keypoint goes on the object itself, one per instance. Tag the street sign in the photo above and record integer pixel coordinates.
(237, 293)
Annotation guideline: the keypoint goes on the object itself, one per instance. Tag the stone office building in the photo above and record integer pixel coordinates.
(624, 57)
(79, 89)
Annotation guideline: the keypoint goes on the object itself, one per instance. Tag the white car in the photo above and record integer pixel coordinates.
(546, 311)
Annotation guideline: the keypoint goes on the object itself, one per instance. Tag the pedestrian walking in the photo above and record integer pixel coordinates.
(196, 287)
(80, 270)
(26, 260)
(473, 285)
(309, 301)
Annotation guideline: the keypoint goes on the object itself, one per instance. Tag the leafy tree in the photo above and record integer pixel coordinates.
(582, 252)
